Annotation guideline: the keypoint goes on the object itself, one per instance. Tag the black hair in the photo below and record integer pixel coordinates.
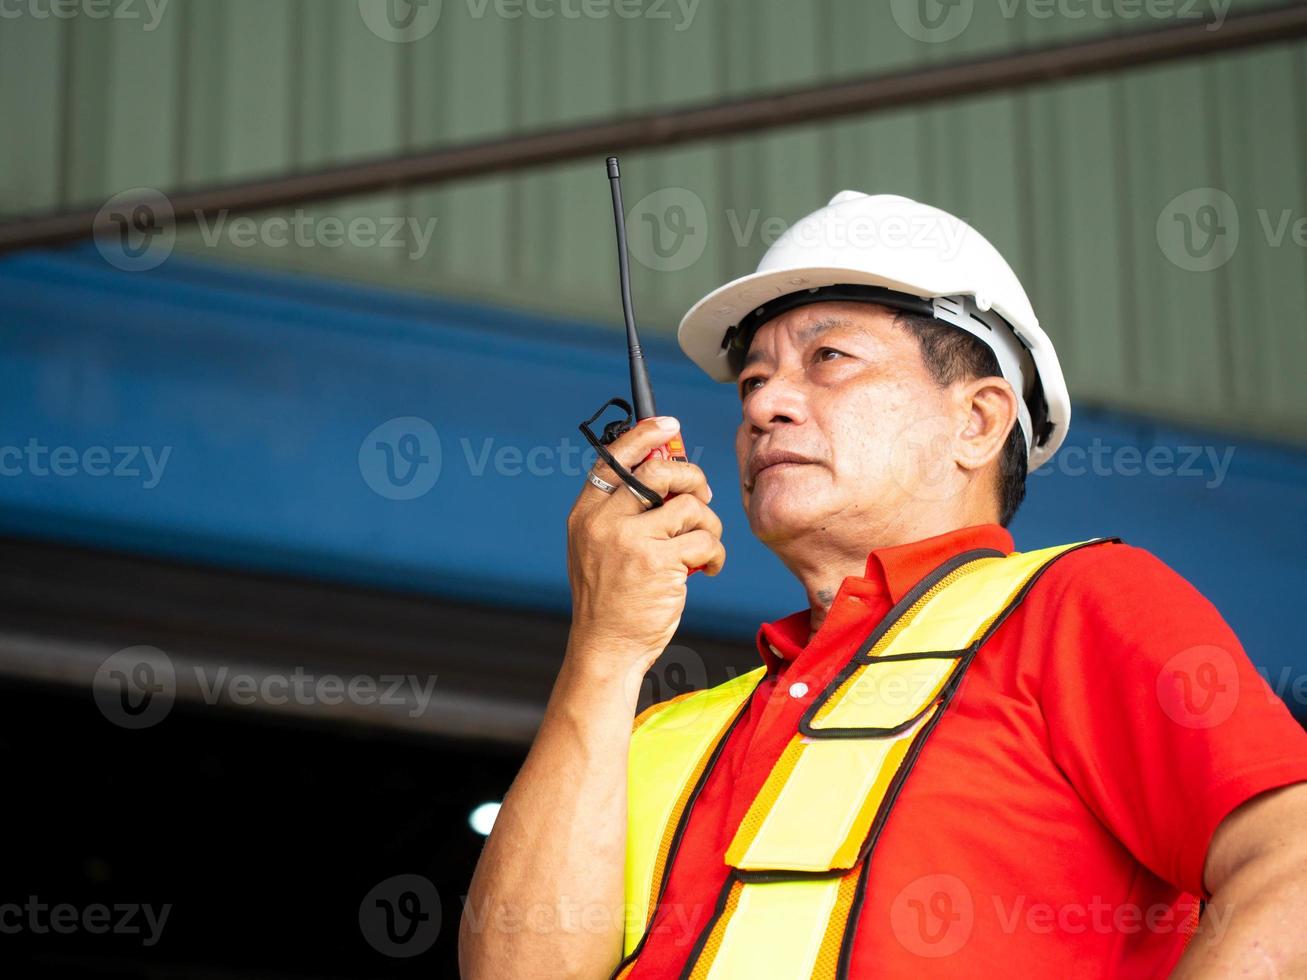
(951, 354)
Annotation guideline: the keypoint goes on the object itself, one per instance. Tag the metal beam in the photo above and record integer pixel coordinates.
(864, 96)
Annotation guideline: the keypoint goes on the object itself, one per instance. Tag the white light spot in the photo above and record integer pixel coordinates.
(483, 818)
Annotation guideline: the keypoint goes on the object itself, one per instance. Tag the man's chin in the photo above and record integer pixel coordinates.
(777, 517)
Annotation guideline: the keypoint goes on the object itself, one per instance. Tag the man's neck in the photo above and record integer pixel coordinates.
(822, 560)
(822, 570)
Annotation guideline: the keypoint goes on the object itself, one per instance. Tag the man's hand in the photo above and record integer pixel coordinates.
(628, 563)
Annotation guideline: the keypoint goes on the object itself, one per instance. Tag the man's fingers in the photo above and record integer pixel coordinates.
(667, 477)
(682, 514)
(630, 449)
(699, 549)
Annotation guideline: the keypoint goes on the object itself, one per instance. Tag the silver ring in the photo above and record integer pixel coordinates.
(603, 485)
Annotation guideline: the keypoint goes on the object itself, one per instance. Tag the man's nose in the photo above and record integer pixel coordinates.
(779, 401)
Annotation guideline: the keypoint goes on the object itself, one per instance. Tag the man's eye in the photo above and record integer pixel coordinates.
(749, 385)
(828, 353)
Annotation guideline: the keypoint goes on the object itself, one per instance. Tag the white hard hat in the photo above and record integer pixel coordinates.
(910, 256)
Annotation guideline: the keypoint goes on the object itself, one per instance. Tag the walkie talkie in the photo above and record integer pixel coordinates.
(642, 398)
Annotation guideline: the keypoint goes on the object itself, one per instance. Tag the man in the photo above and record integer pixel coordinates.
(959, 759)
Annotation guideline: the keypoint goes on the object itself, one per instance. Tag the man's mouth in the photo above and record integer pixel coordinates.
(775, 460)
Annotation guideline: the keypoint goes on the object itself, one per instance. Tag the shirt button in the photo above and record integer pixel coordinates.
(798, 689)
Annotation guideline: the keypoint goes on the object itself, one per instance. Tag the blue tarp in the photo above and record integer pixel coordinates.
(258, 412)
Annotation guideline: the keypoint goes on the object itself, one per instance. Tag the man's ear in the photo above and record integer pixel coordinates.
(988, 408)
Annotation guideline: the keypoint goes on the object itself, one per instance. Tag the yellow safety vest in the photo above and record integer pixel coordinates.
(799, 856)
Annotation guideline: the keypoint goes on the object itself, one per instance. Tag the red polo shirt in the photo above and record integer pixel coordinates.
(1058, 818)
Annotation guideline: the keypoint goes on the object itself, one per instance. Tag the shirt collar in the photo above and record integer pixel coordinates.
(890, 571)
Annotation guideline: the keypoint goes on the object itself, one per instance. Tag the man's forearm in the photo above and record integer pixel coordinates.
(546, 899)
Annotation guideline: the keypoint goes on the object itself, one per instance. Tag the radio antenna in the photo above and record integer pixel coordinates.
(641, 391)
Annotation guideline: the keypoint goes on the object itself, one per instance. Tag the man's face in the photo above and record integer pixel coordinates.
(839, 412)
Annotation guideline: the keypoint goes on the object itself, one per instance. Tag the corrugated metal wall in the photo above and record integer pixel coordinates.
(1079, 184)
